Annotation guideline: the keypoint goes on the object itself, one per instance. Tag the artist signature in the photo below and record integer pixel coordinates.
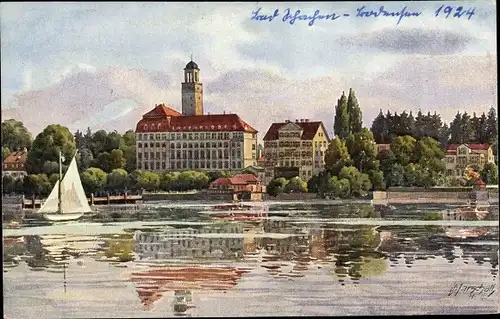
(472, 291)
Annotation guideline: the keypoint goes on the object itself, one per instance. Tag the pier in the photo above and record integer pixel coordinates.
(106, 200)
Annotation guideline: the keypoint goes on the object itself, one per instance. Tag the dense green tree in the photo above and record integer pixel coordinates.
(127, 145)
(148, 181)
(489, 173)
(296, 185)
(8, 184)
(50, 167)
(337, 156)
(117, 179)
(318, 183)
(377, 179)
(103, 161)
(379, 128)
(403, 148)
(212, 176)
(53, 178)
(394, 177)
(359, 182)
(362, 150)
(455, 130)
(277, 186)
(36, 185)
(354, 112)
(341, 121)
(340, 188)
(80, 140)
(491, 129)
(116, 159)
(93, 180)
(46, 147)
(15, 136)
(84, 159)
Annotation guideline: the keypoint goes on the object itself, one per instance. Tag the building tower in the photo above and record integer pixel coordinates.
(192, 90)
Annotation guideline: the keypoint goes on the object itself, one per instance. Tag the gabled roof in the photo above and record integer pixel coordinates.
(160, 112)
(229, 181)
(165, 119)
(248, 178)
(477, 147)
(18, 157)
(309, 130)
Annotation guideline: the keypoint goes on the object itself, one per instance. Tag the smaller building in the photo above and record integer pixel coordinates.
(258, 171)
(15, 164)
(459, 156)
(236, 184)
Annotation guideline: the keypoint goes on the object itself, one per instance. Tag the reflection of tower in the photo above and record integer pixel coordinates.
(183, 301)
(192, 91)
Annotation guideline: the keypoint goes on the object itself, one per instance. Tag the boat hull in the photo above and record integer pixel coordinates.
(62, 217)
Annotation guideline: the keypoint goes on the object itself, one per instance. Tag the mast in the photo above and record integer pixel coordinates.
(59, 203)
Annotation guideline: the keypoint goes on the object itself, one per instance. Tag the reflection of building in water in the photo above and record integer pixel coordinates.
(150, 285)
(219, 241)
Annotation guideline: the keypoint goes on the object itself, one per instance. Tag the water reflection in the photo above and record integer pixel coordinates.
(177, 261)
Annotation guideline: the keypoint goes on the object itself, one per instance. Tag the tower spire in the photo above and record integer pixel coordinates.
(191, 56)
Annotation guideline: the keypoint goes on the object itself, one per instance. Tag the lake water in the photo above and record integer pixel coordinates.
(294, 258)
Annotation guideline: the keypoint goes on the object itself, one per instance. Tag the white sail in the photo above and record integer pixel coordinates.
(51, 203)
(73, 195)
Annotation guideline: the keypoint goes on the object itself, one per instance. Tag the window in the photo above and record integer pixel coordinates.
(139, 145)
(146, 165)
(157, 165)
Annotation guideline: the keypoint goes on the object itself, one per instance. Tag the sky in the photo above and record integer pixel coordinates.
(104, 64)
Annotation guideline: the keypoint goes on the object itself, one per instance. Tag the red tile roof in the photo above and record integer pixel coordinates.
(18, 157)
(229, 181)
(478, 147)
(309, 130)
(248, 178)
(166, 119)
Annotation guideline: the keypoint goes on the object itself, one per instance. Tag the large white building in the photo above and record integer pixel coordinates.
(167, 140)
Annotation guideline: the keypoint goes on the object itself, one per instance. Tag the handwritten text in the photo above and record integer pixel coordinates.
(291, 16)
(472, 291)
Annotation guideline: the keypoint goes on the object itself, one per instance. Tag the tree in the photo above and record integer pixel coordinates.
(403, 147)
(354, 113)
(362, 150)
(8, 184)
(341, 121)
(429, 156)
(319, 183)
(103, 161)
(491, 129)
(36, 185)
(117, 179)
(46, 147)
(359, 182)
(340, 188)
(336, 156)
(489, 173)
(15, 136)
(455, 130)
(93, 180)
(277, 186)
(394, 176)
(149, 181)
(127, 145)
(84, 159)
(377, 179)
(296, 185)
(116, 159)
(379, 128)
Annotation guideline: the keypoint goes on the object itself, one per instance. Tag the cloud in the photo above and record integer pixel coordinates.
(411, 41)
(81, 95)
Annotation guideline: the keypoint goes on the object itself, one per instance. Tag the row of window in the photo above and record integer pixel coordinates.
(193, 145)
(274, 144)
(189, 154)
(289, 134)
(189, 165)
(190, 136)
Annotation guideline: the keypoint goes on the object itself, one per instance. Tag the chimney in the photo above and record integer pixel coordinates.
(296, 121)
(306, 120)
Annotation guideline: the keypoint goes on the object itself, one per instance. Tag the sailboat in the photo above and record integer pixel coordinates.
(67, 200)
